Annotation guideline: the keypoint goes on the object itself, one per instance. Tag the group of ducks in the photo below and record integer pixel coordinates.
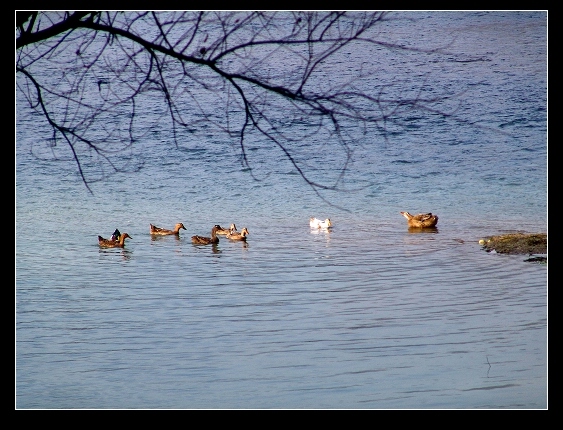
(231, 233)
(117, 240)
(423, 220)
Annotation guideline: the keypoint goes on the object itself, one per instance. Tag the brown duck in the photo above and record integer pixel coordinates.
(201, 240)
(163, 231)
(421, 220)
(221, 230)
(109, 243)
(235, 235)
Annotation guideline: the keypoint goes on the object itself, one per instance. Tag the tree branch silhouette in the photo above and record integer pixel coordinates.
(260, 73)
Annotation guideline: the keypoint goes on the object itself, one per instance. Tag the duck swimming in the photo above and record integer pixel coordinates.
(221, 230)
(163, 231)
(108, 243)
(235, 235)
(421, 220)
(201, 240)
(317, 223)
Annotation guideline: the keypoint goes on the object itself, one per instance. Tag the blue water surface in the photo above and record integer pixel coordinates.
(368, 315)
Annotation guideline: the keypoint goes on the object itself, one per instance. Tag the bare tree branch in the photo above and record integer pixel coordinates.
(260, 73)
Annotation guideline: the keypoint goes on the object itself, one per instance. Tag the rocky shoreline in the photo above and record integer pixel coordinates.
(518, 243)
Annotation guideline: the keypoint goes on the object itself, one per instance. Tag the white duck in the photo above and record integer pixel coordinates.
(318, 224)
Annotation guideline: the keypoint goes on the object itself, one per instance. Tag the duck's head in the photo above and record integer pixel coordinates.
(124, 235)
(233, 227)
(179, 226)
(244, 231)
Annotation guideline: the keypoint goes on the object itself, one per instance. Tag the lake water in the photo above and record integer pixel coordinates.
(366, 316)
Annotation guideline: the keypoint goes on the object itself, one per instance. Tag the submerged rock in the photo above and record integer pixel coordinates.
(517, 243)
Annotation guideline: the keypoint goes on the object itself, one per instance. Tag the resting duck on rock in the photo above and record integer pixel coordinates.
(109, 243)
(235, 235)
(221, 230)
(421, 220)
(163, 231)
(317, 223)
(201, 240)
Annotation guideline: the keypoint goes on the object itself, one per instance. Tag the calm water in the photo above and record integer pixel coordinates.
(369, 315)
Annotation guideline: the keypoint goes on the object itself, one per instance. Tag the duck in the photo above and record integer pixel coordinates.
(163, 231)
(115, 235)
(314, 222)
(232, 228)
(108, 243)
(317, 223)
(235, 235)
(421, 220)
(201, 240)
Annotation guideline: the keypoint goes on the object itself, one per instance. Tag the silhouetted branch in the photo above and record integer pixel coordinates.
(113, 75)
